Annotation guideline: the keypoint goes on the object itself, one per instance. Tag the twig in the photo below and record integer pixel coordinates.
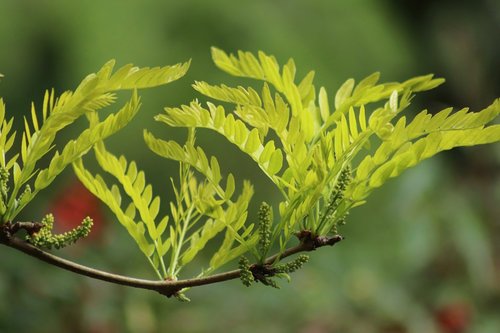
(167, 288)
(30, 227)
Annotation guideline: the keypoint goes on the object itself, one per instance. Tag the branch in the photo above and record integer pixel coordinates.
(29, 227)
(167, 288)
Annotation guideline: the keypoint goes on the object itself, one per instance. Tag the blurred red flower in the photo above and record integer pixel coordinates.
(72, 204)
(454, 318)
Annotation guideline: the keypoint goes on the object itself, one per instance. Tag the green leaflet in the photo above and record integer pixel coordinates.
(74, 149)
(134, 184)
(200, 238)
(195, 201)
(193, 156)
(92, 94)
(95, 92)
(6, 139)
(344, 93)
(267, 68)
(112, 198)
(239, 95)
(422, 138)
(142, 201)
(228, 251)
(234, 130)
(233, 220)
(129, 77)
(368, 91)
(248, 100)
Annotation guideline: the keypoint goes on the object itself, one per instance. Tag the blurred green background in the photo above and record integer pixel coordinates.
(422, 256)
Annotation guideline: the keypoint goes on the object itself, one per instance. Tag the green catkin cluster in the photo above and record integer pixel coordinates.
(265, 220)
(27, 191)
(4, 179)
(329, 215)
(266, 274)
(4, 189)
(292, 266)
(45, 238)
(269, 282)
(246, 275)
(345, 179)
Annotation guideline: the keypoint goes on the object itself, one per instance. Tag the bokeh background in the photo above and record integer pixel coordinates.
(422, 256)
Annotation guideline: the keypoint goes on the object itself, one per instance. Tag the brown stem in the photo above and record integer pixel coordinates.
(30, 227)
(167, 288)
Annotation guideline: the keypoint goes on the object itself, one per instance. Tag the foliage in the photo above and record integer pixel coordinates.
(209, 200)
(94, 93)
(314, 146)
(325, 156)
